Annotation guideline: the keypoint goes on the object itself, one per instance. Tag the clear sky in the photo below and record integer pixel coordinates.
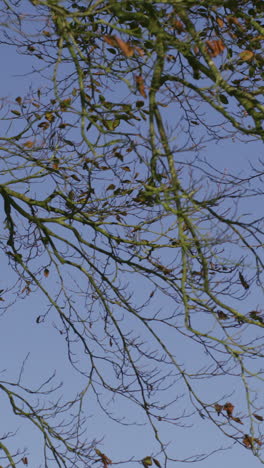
(22, 335)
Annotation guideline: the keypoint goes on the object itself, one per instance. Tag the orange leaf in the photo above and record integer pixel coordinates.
(247, 441)
(237, 420)
(25, 460)
(46, 272)
(257, 441)
(233, 20)
(127, 50)
(110, 40)
(215, 47)
(246, 55)
(141, 85)
(220, 22)
(104, 459)
(228, 407)
(218, 408)
(29, 144)
(178, 26)
(139, 51)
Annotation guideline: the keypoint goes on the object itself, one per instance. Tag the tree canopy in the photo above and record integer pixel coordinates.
(131, 239)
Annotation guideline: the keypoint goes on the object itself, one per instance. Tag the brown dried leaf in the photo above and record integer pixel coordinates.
(139, 51)
(55, 164)
(257, 441)
(157, 463)
(16, 112)
(228, 407)
(104, 459)
(243, 281)
(218, 408)
(127, 50)
(178, 26)
(215, 47)
(222, 315)
(247, 441)
(141, 85)
(29, 144)
(246, 55)
(258, 417)
(220, 22)
(111, 187)
(110, 40)
(233, 20)
(46, 272)
(44, 125)
(237, 420)
(49, 116)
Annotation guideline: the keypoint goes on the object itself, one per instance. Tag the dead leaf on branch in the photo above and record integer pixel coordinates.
(220, 22)
(49, 116)
(111, 187)
(218, 408)
(246, 55)
(222, 315)
(243, 281)
(178, 26)
(237, 420)
(29, 144)
(44, 125)
(104, 459)
(139, 51)
(16, 112)
(258, 417)
(157, 463)
(234, 20)
(127, 49)
(110, 40)
(248, 441)
(141, 85)
(147, 461)
(215, 47)
(228, 407)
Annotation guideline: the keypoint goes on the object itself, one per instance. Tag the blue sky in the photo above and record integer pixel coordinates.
(21, 334)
